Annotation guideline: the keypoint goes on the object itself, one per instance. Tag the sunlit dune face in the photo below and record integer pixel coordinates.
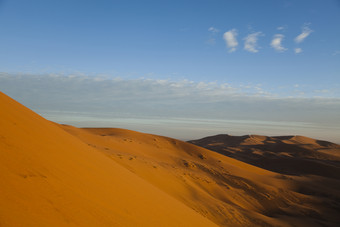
(51, 178)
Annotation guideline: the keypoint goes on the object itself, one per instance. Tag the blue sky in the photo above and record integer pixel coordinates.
(277, 49)
(170, 39)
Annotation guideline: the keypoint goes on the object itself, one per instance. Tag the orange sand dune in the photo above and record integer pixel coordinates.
(61, 175)
(50, 178)
(227, 191)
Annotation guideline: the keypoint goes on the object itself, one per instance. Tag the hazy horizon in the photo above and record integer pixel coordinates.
(181, 109)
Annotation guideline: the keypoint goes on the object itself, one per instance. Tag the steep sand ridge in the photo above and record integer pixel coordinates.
(50, 178)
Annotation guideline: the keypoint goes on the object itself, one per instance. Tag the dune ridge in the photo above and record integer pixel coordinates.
(60, 175)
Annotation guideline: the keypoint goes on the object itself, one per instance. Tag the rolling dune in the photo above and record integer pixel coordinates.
(227, 191)
(59, 175)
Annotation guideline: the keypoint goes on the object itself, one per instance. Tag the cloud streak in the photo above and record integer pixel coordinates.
(276, 43)
(105, 93)
(250, 42)
(306, 31)
(230, 37)
(280, 28)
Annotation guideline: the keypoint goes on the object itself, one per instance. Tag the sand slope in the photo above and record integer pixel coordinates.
(312, 166)
(227, 191)
(50, 178)
(58, 175)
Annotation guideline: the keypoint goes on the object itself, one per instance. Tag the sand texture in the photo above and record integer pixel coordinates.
(59, 175)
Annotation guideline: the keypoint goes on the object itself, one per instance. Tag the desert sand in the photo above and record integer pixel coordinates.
(51, 178)
(59, 175)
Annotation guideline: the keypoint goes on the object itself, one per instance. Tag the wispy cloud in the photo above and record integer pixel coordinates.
(250, 42)
(281, 28)
(213, 30)
(306, 31)
(276, 43)
(211, 41)
(230, 39)
(297, 50)
(336, 52)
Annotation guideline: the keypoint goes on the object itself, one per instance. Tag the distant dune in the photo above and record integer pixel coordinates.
(294, 155)
(59, 175)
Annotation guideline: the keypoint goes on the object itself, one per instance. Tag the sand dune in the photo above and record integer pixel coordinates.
(227, 191)
(295, 155)
(59, 175)
(50, 178)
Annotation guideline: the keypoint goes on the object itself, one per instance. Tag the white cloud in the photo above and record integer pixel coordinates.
(230, 39)
(250, 43)
(281, 28)
(297, 50)
(276, 43)
(306, 31)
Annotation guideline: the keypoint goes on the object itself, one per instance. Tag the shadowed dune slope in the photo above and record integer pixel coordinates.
(50, 178)
(294, 155)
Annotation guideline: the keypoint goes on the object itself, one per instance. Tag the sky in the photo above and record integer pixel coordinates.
(184, 69)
